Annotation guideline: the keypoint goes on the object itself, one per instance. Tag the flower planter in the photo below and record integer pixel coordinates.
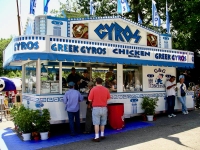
(36, 135)
(26, 136)
(36, 138)
(149, 117)
(44, 135)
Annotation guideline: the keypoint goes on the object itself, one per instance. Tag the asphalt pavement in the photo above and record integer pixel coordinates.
(179, 133)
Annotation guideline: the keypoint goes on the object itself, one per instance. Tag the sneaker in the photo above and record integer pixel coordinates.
(184, 113)
(85, 132)
(173, 115)
(187, 112)
(169, 116)
(96, 140)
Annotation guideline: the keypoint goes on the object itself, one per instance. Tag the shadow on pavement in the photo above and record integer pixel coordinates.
(163, 127)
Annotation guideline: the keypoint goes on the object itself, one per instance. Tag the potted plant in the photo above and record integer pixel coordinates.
(36, 116)
(13, 114)
(24, 122)
(42, 123)
(149, 106)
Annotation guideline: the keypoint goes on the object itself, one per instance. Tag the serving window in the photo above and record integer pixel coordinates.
(132, 78)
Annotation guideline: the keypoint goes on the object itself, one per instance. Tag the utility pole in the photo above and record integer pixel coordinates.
(18, 18)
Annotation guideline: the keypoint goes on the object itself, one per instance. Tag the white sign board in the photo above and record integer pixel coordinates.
(26, 44)
(56, 27)
(122, 51)
(109, 30)
(190, 57)
(166, 41)
(154, 77)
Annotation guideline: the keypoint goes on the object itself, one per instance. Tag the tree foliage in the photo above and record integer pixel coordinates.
(3, 44)
(8, 73)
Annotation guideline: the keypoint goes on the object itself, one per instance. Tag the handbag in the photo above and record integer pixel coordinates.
(182, 91)
(183, 94)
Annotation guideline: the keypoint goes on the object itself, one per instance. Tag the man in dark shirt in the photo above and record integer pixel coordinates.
(84, 80)
(187, 80)
(73, 77)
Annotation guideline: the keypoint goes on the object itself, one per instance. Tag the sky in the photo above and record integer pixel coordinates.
(8, 14)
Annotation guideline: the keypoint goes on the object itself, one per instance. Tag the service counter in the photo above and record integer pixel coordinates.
(131, 103)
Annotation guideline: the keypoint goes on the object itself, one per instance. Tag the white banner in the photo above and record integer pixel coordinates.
(56, 27)
(154, 77)
(26, 44)
(166, 41)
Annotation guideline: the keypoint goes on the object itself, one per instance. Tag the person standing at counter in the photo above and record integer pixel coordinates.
(99, 96)
(170, 91)
(84, 80)
(88, 122)
(72, 98)
(74, 77)
(181, 94)
(110, 75)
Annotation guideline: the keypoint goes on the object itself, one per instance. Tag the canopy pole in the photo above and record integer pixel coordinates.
(119, 78)
(60, 77)
(38, 76)
(23, 78)
(18, 18)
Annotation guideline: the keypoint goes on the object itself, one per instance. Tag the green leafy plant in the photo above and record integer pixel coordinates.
(41, 120)
(149, 105)
(13, 113)
(23, 119)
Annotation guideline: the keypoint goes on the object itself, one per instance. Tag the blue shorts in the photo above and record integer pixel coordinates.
(99, 115)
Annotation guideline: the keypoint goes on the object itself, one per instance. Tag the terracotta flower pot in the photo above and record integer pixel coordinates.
(144, 117)
(36, 138)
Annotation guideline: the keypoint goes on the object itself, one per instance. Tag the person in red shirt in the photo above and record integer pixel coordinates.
(99, 96)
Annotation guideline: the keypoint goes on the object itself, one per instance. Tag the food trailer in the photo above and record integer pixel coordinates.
(141, 59)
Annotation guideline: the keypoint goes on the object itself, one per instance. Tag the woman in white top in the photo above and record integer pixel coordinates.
(181, 94)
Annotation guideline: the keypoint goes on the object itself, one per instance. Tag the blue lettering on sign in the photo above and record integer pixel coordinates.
(131, 53)
(170, 57)
(121, 34)
(165, 38)
(77, 49)
(57, 22)
(26, 45)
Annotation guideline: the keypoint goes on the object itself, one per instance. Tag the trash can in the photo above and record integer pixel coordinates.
(116, 115)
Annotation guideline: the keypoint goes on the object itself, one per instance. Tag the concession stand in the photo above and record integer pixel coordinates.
(141, 60)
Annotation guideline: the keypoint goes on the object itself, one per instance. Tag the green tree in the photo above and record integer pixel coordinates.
(3, 44)
(8, 73)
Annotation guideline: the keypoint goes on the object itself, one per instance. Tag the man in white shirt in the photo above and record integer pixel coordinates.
(170, 90)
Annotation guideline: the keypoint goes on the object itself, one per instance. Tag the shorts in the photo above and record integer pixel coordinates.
(99, 115)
